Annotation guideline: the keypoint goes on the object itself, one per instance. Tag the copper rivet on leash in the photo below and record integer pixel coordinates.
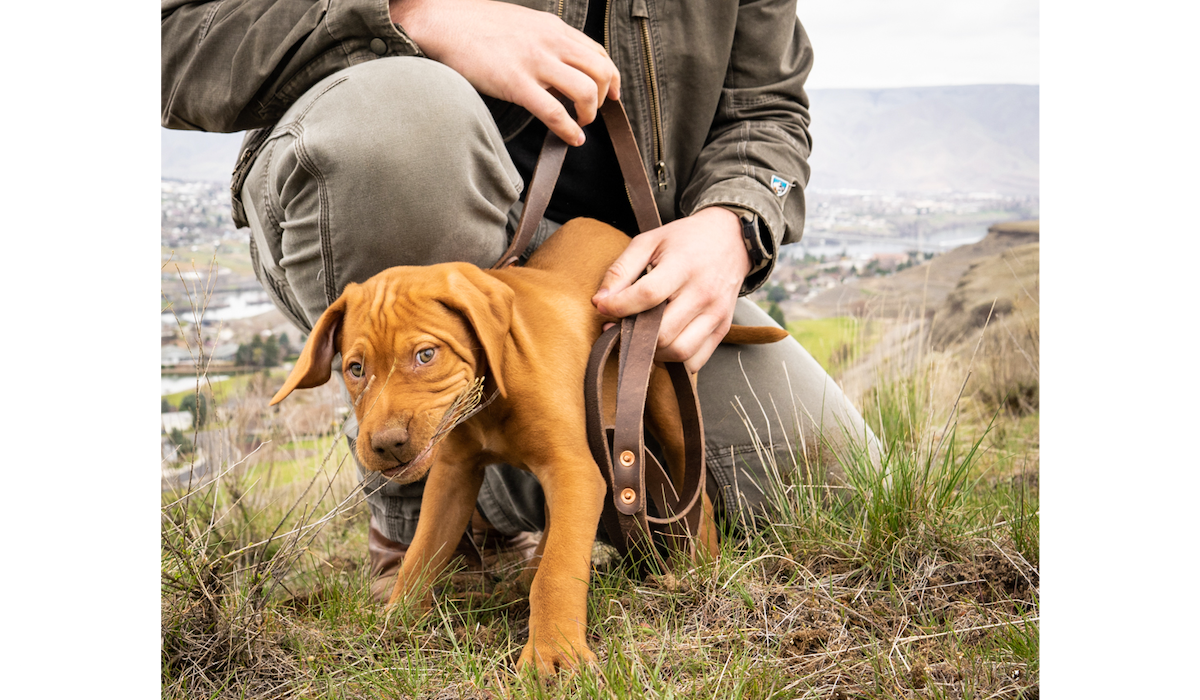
(628, 496)
(627, 459)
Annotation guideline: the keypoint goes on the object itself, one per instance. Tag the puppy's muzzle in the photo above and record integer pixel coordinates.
(389, 443)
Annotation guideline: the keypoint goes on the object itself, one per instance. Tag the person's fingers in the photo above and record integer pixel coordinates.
(576, 86)
(625, 270)
(688, 304)
(645, 293)
(694, 336)
(592, 60)
(551, 112)
(695, 345)
(700, 358)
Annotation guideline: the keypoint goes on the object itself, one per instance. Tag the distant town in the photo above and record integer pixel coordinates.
(849, 234)
(198, 214)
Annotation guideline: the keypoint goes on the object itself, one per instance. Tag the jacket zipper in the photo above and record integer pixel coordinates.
(607, 14)
(660, 165)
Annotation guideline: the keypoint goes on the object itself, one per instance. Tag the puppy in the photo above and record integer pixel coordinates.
(413, 339)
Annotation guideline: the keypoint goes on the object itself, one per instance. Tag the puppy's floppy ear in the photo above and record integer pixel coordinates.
(313, 367)
(487, 304)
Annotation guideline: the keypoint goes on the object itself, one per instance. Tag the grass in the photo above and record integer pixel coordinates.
(295, 460)
(918, 579)
(225, 389)
(914, 583)
(837, 342)
(234, 255)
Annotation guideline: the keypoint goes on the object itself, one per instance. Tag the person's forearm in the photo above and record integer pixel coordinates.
(230, 66)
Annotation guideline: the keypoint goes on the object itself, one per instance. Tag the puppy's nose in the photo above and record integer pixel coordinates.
(388, 439)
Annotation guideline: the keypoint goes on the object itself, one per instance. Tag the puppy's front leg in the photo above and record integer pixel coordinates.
(446, 507)
(574, 492)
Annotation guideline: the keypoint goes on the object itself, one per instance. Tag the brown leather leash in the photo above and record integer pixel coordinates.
(636, 480)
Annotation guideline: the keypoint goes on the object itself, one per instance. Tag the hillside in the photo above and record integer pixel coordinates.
(918, 290)
(976, 308)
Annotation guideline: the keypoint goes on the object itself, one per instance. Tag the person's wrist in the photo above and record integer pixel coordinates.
(758, 244)
(727, 222)
(401, 10)
(413, 16)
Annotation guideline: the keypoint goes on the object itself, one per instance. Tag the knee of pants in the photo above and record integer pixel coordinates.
(773, 409)
(390, 162)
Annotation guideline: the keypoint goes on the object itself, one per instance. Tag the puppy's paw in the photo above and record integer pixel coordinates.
(549, 653)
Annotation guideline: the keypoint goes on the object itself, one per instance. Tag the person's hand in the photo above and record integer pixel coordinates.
(515, 54)
(699, 264)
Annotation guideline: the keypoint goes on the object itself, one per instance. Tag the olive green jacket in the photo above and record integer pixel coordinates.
(714, 88)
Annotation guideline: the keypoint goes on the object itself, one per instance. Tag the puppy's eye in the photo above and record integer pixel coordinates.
(356, 369)
(425, 356)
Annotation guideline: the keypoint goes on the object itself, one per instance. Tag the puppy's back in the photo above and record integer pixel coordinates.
(582, 249)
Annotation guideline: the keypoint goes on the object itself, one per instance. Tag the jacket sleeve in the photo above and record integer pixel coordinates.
(756, 157)
(233, 65)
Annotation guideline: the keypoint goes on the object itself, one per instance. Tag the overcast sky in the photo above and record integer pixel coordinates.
(903, 43)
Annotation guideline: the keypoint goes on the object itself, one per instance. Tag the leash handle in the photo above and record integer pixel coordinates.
(549, 165)
(541, 186)
(633, 476)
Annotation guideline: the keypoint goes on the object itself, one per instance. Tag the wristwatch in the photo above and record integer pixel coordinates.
(760, 247)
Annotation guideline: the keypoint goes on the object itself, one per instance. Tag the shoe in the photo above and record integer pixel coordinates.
(483, 550)
(495, 548)
(384, 556)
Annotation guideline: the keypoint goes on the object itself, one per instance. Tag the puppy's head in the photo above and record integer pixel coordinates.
(411, 339)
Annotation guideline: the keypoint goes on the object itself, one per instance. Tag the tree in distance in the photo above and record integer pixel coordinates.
(199, 410)
(776, 314)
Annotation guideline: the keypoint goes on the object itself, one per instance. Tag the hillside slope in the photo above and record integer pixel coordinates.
(983, 312)
(918, 290)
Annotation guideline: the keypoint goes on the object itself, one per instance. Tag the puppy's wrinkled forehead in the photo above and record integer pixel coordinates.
(389, 311)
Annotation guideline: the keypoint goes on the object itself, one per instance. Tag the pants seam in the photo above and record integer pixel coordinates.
(323, 236)
(296, 128)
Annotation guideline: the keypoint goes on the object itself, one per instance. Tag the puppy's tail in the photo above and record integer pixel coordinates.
(754, 335)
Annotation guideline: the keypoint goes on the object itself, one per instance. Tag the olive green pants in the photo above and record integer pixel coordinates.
(398, 162)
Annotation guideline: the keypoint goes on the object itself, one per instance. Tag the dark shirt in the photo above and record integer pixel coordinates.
(590, 183)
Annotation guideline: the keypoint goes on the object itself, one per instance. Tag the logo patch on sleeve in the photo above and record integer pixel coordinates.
(780, 186)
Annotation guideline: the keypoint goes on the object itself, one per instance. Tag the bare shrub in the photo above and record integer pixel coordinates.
(1009, 371)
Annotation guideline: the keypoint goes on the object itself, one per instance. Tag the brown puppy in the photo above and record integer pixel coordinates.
(413, 338)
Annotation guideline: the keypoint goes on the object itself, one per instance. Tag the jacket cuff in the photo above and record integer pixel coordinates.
(356, 20)
(749, 194)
